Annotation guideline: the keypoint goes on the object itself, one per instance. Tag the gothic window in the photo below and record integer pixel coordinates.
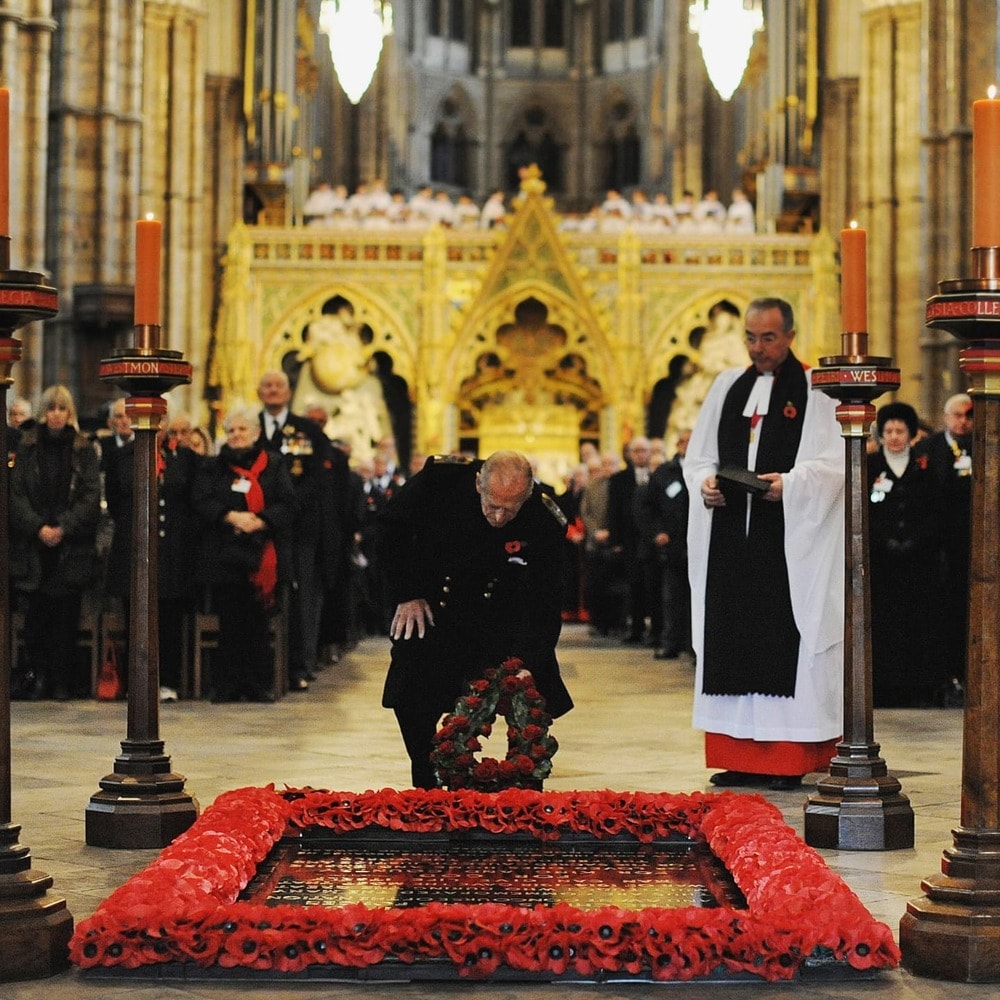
(554, 26)
(623, 161)
(520, 23)
(449, 156)
(616, 21)
(537, 23)
(457, 20)
(627, 19)
(535, 142)
(446, 19)
(622, 147)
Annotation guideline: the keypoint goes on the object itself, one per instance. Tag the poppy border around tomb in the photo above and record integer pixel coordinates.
(183, 909)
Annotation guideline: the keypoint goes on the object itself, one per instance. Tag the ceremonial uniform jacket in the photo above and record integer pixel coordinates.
(494, 592)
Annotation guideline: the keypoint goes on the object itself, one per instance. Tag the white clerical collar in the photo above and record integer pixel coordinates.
(760, 395)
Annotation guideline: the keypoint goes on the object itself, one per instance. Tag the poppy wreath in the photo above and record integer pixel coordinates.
(509, 691)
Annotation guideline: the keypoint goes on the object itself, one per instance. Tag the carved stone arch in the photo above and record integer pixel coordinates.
(584, 337)
(703, 330)
(620, 130)
(454, 134)
(534, 134)
(390, 332)
(529, 371)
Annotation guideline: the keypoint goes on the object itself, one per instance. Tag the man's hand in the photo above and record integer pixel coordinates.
(774, 478)
(711, 495)
(411, 615)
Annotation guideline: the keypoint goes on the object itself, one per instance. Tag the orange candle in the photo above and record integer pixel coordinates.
(4, 161)
(986, 171)
(148, 232)
(854, 280)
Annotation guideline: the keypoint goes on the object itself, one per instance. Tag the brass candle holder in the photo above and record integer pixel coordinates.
(35, 925)
(858, 805)
(953, 931)
(143, 803)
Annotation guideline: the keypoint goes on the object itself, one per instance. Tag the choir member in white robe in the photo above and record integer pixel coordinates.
(772, 652)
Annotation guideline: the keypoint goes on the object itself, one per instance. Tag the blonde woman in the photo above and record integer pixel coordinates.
(54, 508)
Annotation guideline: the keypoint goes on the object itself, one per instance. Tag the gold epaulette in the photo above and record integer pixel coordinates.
(554, 510)
(452, 459)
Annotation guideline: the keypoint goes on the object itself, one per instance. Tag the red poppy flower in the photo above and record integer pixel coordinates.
(790, 411)
(512, 547)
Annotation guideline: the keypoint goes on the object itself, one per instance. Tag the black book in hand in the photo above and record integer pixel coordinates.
(732, 477)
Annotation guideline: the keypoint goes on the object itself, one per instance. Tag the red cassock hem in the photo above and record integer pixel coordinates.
(767, 757)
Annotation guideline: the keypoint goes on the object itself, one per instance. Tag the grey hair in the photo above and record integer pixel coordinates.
(243, 411)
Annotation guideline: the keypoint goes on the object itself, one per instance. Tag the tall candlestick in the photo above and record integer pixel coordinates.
(986, 171)
(148, 232)
(4, 161)
(854, 279)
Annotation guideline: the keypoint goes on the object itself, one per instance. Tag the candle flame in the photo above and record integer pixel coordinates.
(853, 223)
(991, 91)
(150, 216)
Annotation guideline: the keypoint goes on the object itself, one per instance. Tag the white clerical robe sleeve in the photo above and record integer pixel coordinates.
(813, 497)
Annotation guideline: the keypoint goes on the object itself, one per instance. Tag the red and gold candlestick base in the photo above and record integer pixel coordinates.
(953, 931)
(35, 925)
(143, 803)
(858, 805)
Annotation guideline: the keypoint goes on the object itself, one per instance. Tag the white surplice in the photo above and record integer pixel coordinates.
(813, 499)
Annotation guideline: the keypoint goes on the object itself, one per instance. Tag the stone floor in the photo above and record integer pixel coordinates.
(630, 730)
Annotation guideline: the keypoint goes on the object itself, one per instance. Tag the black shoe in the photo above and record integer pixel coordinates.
(784, 782)
(632, 640)
(665, 654)
(736, 779)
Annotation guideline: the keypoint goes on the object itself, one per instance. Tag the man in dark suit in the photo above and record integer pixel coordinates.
(664, 517)
(307, 454)
(625, 540)
(473, 558)
(949, 457)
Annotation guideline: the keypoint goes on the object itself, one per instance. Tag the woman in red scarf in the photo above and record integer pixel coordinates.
(247, 503)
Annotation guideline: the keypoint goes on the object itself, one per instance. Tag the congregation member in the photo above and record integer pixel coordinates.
(604, 583)
(473, 561)
(246, 503)
(625, 541)
(55, 498)
(902, 556)
(19, 419)
(766, 566)
(574, 609)
(305, 451)
(949, 456)
(664, 519)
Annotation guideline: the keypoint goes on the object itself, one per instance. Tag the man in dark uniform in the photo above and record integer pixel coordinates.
(472, 552)
(308, 456)
(664, 512)
(949, 455)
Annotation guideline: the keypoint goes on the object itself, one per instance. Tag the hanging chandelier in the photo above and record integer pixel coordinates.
(725, 30)
(355, 29)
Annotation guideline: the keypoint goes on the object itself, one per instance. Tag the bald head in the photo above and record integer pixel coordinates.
(504, 484)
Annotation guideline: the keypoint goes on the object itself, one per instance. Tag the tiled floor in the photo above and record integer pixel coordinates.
(630, 730)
